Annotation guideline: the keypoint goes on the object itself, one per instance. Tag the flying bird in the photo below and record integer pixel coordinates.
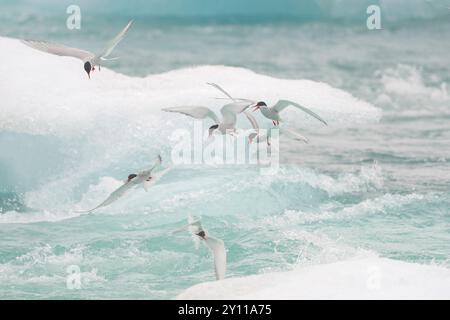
(216, 246)
(229, 115)
(90, 60)
(256, 134)
(146, 178)
(272, 113)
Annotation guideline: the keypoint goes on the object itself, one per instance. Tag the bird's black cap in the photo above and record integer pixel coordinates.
(202, 234)
(87, 67)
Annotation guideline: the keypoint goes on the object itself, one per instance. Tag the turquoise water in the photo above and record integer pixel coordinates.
(378, 187)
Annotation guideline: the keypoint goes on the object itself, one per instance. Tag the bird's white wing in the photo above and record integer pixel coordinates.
(148, 172)
(155, 178)
(254, 124)
(220, 256)
(194, 225)
(220, 89)
(282, 104)
(195, 112)
(229, 112)
(118, 193)
(252, 120)
(114, 42)
(227, 94)
(59, 49)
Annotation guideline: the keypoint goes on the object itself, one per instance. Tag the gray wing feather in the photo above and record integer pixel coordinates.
(227, 94)
(294, 135)
(195, 112)
(114, 42)
(252, 120)
(220, 256)
(282, 104)
(157, 163)
(58, 49)
(193, 226)
(254, 124)
(229, 111)
(118, 193)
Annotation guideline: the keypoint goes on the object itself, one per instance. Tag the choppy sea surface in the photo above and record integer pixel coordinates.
(378, 186)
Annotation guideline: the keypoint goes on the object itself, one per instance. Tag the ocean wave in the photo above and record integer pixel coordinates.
(298, 186)
(385, 204)
(425, 93)
(46, 265)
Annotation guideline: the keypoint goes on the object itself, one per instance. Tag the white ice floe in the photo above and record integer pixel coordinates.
(362, 278)
(46, 94)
